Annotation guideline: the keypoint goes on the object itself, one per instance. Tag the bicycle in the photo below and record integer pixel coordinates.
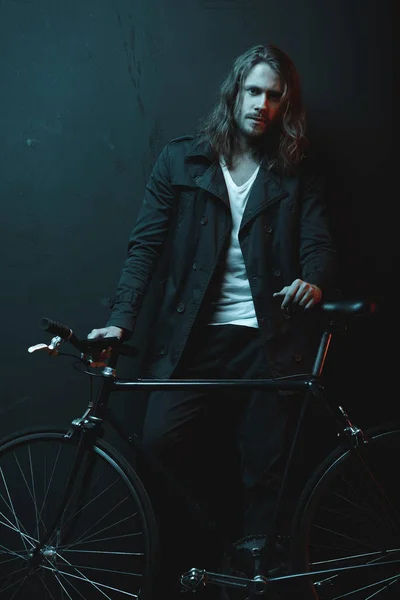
(76, 520)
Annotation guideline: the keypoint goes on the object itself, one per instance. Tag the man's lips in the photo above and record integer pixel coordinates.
(256, 119)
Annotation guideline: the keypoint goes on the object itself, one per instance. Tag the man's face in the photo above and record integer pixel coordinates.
(258, 103)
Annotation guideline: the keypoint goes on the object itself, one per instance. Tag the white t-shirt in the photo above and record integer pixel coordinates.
(235, 305)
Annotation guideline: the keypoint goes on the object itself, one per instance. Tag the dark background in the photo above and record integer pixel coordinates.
(90, 90)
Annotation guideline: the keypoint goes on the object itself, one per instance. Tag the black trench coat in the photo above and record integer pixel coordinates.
(185, 219)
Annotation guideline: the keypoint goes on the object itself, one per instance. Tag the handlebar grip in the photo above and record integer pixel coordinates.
(56, 328)
(95, 345)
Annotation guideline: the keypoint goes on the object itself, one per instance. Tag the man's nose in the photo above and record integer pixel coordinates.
(262, 103)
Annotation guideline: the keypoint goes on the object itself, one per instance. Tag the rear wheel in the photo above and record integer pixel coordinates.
(348, 522)
(105, 542)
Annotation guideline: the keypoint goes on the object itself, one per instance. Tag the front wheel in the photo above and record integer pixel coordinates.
(347, 524)
(105, 542)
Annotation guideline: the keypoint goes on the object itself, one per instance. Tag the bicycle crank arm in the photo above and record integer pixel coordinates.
(194, 578)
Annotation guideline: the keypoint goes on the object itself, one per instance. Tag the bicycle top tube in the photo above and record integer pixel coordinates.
(295, 383)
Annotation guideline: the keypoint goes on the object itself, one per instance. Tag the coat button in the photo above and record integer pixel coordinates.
(164, 350)
(267, 228)
(204, 220)
(194, 266)
(181, 307)
(277, 273)
(297, 357)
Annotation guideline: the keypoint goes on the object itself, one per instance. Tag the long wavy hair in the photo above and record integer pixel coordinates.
(285, 141)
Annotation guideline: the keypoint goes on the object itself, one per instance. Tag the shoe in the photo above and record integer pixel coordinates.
(246, 556)
(244, 560)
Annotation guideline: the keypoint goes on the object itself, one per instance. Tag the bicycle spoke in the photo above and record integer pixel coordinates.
(380, 555)
(33, 490)
(102, 552)
(85, 506)
(102, 570)
(42, 579)
(344, 536)
(64, 520)
(372, 493)
(13, 558)
(380, 493)
(368, 587)
(384, 588)
(106, 539)
(55, 574)
(97, 497)
(48, 487)
(96, 584)
(30, 492)
(11, 526)
(11, 507)
(86, 579)
(83, 539)
(361, 506)
(11, 585)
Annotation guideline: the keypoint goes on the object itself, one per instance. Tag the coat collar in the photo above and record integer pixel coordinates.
(207, 174)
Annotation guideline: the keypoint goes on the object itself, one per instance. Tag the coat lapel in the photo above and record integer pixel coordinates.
(206, 172)
(266, 191)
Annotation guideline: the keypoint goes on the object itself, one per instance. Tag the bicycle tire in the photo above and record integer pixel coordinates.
(105, 545)
(347, 522)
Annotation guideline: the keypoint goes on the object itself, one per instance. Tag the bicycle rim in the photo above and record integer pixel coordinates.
(348, 523)
(103, 546)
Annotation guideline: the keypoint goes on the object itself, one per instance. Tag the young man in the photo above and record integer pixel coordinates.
(240, 223)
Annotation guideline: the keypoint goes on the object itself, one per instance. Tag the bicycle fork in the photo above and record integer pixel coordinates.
(89, 428)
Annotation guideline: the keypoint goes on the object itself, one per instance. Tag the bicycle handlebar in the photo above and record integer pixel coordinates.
(57, 328)
(87, 346)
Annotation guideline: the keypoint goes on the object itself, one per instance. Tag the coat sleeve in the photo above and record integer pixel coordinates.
(145, 245)
(317, 252)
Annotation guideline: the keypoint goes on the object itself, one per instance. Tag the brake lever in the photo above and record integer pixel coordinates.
(51, 349)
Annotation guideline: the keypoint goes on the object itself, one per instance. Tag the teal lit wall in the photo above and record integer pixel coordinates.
(90, 90)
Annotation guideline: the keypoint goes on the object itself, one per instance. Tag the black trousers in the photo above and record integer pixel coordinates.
(226, 446)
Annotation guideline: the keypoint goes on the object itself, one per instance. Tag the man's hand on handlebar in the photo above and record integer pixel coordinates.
(106, 332)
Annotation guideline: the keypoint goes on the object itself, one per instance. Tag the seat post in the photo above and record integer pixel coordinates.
(322, 353)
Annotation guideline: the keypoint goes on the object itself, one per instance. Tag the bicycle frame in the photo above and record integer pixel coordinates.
(310, 384)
